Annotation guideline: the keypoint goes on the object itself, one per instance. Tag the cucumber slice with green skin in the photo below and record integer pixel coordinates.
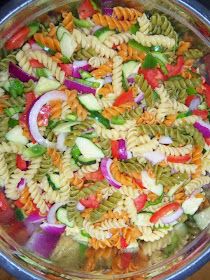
(64, 127)
(62, 217)
(88, 149)
(103, 33)
(82, 23)
(54, 181)
(34, 151)
(191, 205)
(100, 118)
(45, 85)
(90, 102)
(202, 218)
(68, 45)
(125, 82)
(150, 184)
(71, 117)
(46, 49)
(86, 161)
(75, 152)
(20, 214)
(61, 31)
(130, 67)
(16, 135)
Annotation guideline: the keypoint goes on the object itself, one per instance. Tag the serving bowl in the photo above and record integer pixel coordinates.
(188, 16)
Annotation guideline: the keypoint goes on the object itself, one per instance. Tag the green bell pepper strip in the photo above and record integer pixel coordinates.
(85, 74)
(98, 117)
(75, 152)
(83, 23)
(134, 44)
(16, 87)
(118, 120)
(134, 28)
(184, 115)
(12, 123)
(150, 61)
(191, 90)
(88, 83)
(34, 28)
(13, 110)
(157, 201)
(125, 84)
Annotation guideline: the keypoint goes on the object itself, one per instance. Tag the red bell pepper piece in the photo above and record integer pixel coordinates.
(21, 163)
(35, 63)
(189, 99)
(67, 68)
(94, 176)
(115, 149)
(140, 201)
(44, 115)
(174, 70)
(90, 202)
(125, 97)
(17, 39)
(125, 260)
(201, 113)
(179, 159)
(30, 98)
(153, 76)
(207, 140)
(86, 9)
(139, 183)
(123, 243)
(207, 94)
(6, 212)
(163, 211)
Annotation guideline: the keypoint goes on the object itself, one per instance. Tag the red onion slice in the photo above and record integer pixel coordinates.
(21, 185)
(172, 217)
(51, 217)
(60, 145)
(105, 169)
(78, 65)
(79, 87)
(139, 97)
(122, 149)
(16, 72)
(34, 112)
(203, 127)
(53, 229)
(35, 218)
(80, 207)
(195, 103)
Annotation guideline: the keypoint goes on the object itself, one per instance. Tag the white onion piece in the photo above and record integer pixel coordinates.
(36, 47)
(80, 207)
(172, 217)
(34, 112)
(154, 157)
(165, 140)
(60, 145)
(51, 217)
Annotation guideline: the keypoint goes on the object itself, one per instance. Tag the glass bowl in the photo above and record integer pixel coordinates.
(72, 263)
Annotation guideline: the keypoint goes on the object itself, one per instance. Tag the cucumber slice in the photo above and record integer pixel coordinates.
(202, 218)
(16, 135)
(130, 67)
(61, 31)
(86, 161)
(88, 149)
(45, 85)
(54, 181)
(103, 33)
(181, 230)
(150, 184)
(191, 205)
(20, 214)
(143, 219)
(75, 152)
(62, 217)
(90, 102)
(64, 127)
(68, 45)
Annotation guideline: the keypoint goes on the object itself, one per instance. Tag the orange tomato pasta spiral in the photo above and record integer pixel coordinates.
(122, 13)
(68, 21)
(196, 159)
(128, 53)
(121, 177)
(117, 110)
(170, 119)
(52, 32)
(103, 70)
(74, 104)
(146, 118)
(183, 47)
(55, 156)
(105, 90)
(56, 109)
(25, 199)
(57, 57)
(77, 182)
(47, 41)
(180, 196)
(112, 23)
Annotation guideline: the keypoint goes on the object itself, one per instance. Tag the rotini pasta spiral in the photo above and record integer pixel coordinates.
(68, 21)
(23, 61)
(144, 24)
(112, 23)
(154, 40)
(49, 63)
(100, 48)
(117, 75)
(146, 89)
(47, 41)
(122, 13)
(196, 184)
(117, 39)
(96, 61)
